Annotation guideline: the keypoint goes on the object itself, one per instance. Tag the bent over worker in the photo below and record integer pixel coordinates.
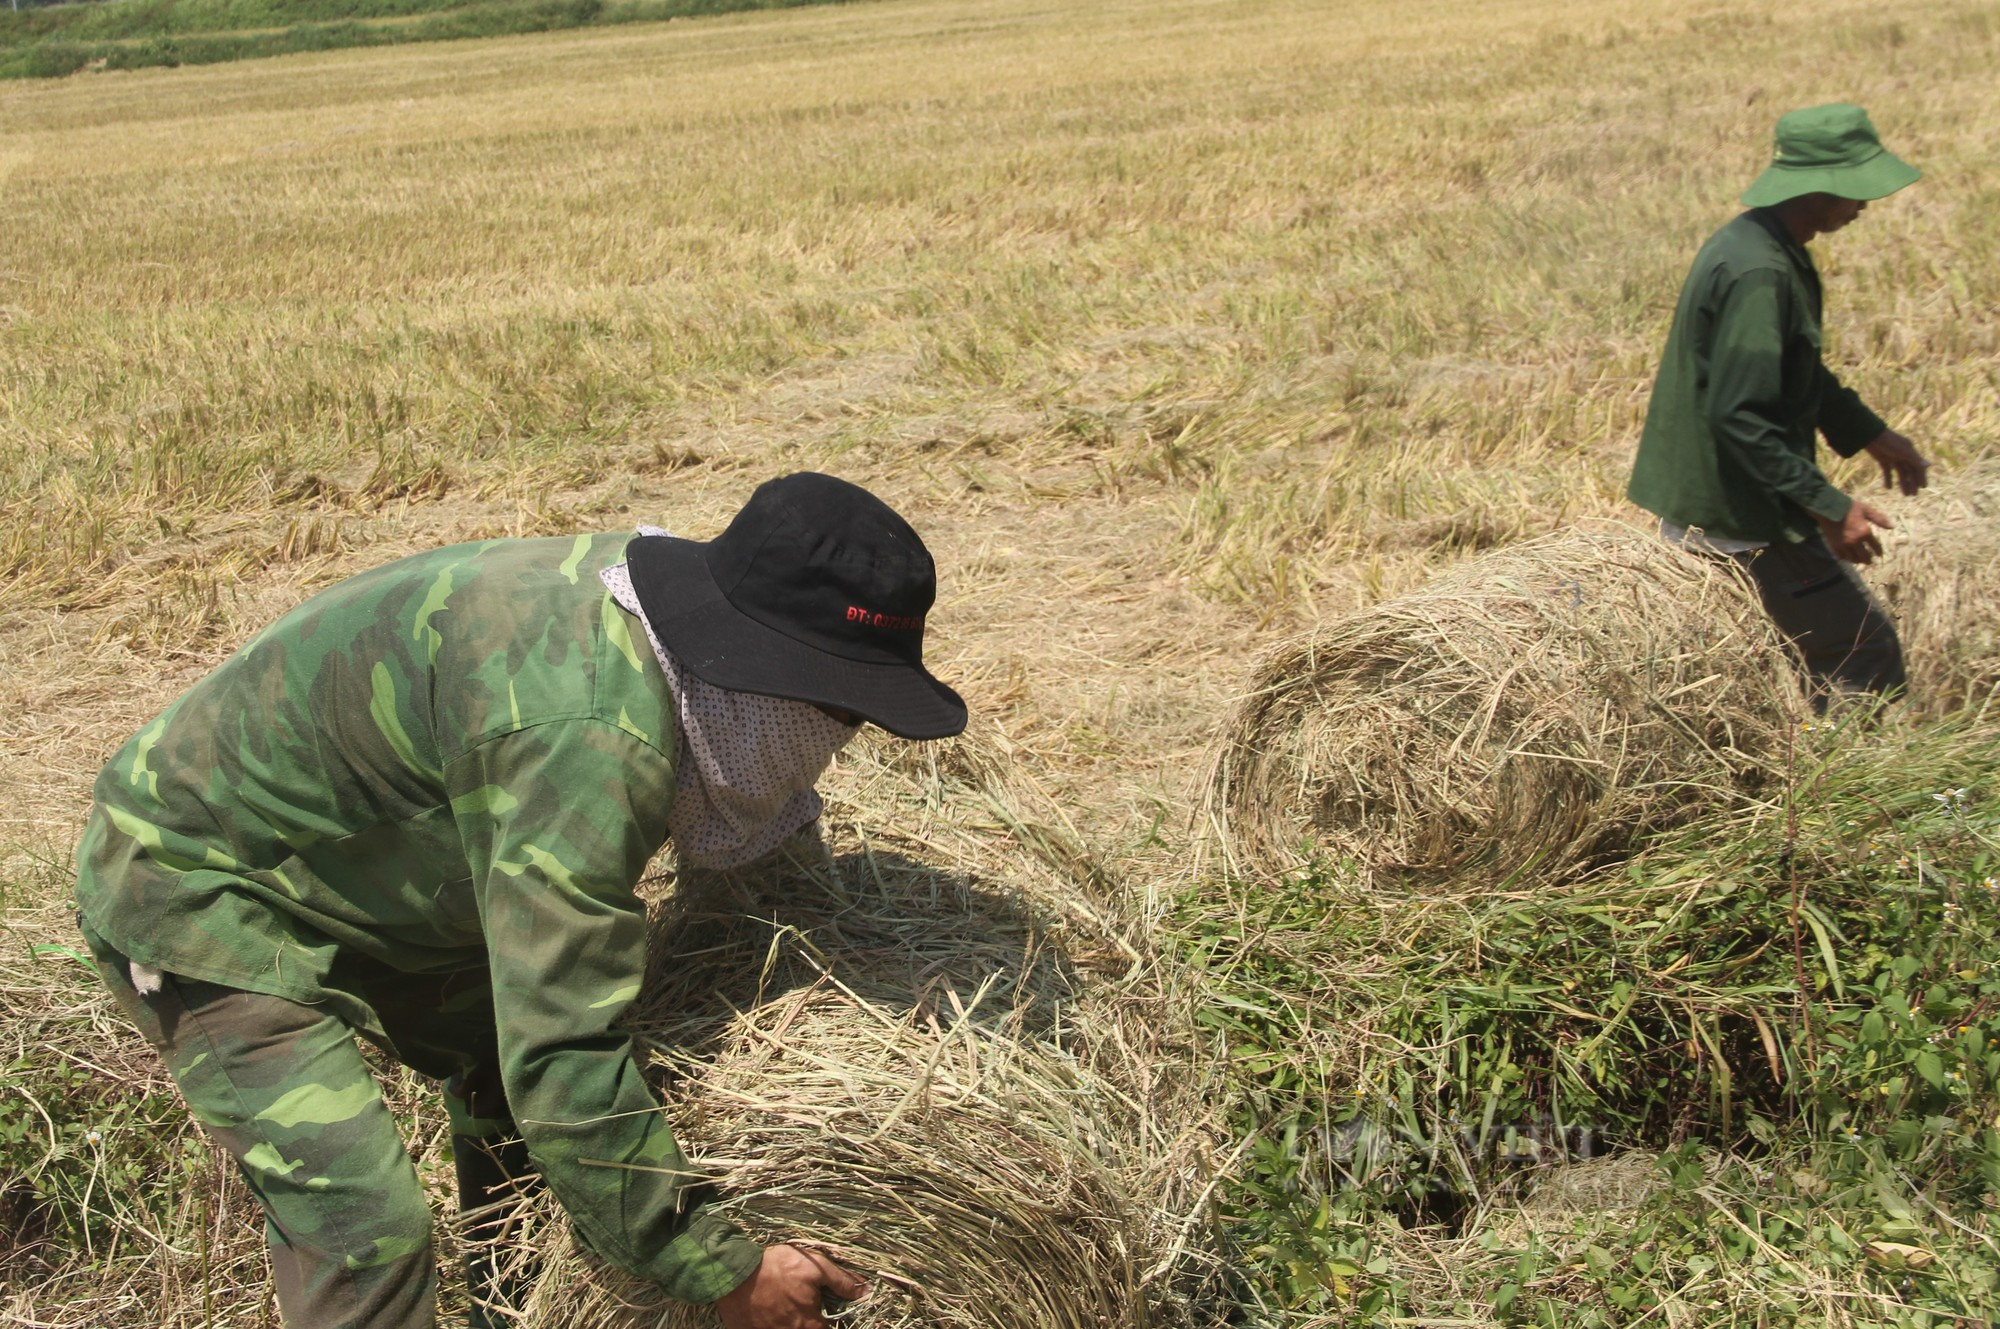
(1728, 458)
(415, 810)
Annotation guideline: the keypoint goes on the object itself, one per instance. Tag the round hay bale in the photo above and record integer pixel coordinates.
(1538, 706)
(1940, 579)
(898, 1061)
(972, 1176)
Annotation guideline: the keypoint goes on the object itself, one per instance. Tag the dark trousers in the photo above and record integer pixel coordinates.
(1844, 640)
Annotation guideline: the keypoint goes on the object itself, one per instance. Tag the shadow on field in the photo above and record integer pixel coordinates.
(901, 933)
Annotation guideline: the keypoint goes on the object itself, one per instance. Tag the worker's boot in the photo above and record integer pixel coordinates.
(493, 1176)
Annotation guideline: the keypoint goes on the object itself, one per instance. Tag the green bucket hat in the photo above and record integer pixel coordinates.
(1829, 150)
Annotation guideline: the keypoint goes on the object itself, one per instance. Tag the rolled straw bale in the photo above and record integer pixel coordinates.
(966, 1172)
(1539, 705)
(1940, 579)
(899, 1063)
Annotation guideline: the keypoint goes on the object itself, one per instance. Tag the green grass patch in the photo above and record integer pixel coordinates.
(1795, 1004)
(57, 40)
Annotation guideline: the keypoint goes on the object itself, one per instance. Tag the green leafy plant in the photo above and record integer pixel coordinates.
(1809, 984)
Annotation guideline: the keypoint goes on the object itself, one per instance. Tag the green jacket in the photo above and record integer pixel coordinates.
(461, 759)
(1728, 444)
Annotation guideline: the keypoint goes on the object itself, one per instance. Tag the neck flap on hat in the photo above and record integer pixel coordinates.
(747, 763)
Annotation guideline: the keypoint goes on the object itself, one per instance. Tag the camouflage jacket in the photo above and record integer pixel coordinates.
(464, 758)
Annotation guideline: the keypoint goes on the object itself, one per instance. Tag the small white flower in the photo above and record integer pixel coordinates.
(95, 1137)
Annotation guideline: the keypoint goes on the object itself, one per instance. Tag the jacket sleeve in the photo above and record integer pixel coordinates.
(558, 822)
(1746, 395)
(1848, 424)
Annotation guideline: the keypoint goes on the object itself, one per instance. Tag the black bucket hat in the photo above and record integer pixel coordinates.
(816, 592)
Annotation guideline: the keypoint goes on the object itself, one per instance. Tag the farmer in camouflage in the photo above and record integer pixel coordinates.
(1727, 460)
(415, 810)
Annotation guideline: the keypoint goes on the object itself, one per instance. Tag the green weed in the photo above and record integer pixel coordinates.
(1807, 990)
(52, 41)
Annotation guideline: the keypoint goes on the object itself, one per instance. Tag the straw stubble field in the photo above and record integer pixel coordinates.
(1175, 327)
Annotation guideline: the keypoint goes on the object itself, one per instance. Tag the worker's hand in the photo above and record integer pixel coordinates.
(1854, 540)
(1903, 467)
(786, 1291)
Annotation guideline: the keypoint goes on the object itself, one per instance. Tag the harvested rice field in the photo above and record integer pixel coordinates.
(1316, 925)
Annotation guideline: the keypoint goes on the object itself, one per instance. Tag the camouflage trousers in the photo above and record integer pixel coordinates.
(283, 1089)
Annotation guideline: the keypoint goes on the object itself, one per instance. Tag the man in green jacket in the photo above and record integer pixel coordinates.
(415, 810)
(1727, 460)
